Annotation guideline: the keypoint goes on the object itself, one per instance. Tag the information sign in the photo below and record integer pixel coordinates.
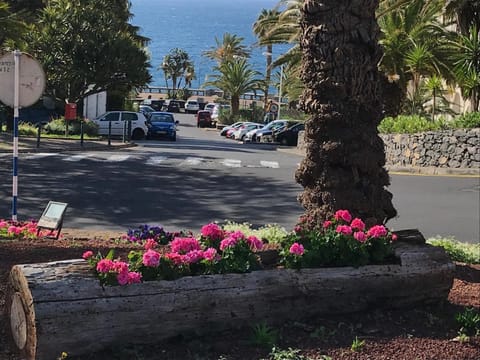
(52, 217)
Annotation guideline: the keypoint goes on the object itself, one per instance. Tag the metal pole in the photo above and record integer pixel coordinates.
(280, 92)
(16, 100)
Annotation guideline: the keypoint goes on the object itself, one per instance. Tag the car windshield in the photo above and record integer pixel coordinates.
(161, 118)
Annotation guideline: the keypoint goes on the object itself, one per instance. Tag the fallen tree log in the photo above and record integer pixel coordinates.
(60, 306)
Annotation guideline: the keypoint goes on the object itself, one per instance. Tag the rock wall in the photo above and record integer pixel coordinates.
(458, 148)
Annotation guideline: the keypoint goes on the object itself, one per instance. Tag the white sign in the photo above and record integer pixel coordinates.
(31, 80)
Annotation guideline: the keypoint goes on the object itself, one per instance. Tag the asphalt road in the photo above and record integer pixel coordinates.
(203, 177)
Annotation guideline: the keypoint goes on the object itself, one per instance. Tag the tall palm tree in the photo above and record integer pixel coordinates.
(344, 163)
(236, 77)
(227, 49)
(261, 27)
(465, 12)
(175, 66)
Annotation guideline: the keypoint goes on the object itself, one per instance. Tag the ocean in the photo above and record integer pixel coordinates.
(192, 26)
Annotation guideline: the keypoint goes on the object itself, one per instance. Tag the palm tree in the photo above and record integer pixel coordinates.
(175, 66)
(264, 23)
(227, 49)
(236, 77)
(465, 12)
(344, 163)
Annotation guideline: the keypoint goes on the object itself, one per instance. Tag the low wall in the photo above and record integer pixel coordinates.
(444, 149)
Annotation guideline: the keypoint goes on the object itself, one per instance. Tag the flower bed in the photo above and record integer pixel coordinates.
(180, 283)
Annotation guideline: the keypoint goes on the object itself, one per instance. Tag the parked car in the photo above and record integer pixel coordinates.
(224, 131)
(239, 134)
(162, 125)
(172, 106)
(210, 107)
(118, 121)
(255, 134)
(269, 134)
(191, 106)
(289, 136)
(204, 119)
(146, 110)
(155, 104)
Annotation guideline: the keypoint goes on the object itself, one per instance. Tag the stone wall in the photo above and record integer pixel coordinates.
(444, 149)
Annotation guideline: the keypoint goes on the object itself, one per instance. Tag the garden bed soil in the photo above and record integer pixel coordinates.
(427, 332)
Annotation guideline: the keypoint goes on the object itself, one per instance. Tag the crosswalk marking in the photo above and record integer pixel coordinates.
(232, 163)
(270, 164)
(155, 160)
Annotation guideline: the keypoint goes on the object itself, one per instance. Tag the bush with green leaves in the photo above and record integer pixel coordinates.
(271, 233)
(458, 251)
(467, 121)
(58, 126)
(410, 124)
(289, 354)
(469, 321)
(264, 335)
(27, 129)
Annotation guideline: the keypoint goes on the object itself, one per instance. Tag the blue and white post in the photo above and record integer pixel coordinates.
(16, 97)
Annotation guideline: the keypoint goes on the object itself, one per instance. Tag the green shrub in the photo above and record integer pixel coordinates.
(57, 127)
(467, 121)
(271, 233)
(458, 251)
(410, 124)
(27, 129)
(469, 321)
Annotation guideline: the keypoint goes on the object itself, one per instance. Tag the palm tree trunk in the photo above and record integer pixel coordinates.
(235, 102)
(268, 72)
(345, 157)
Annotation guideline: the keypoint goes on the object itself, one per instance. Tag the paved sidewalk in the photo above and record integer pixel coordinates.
(29, 144)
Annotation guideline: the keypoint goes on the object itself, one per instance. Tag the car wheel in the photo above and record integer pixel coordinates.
(138, 134)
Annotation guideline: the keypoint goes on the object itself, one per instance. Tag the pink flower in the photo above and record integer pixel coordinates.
(14, 230)
(343, 215)
(394, 237)
(297, 229)
(358, 224)
(327, 224)
(360, 236)
(297, 249)
(151, 258)
(377, 231)
(254, 243)
(344, 229)
(210, 254)
(120, 267)
(212, 231)
(176, 258)
(3, 224)
(150, 244)
(122, 278)
(134, 277)
(104, 265)
(184, 245)
(193, 256)
(228, 242)
(87, 255)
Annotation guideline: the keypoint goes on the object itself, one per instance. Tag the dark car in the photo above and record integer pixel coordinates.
(172, 106)
(204, 119)
(162, 125)
(289, 136)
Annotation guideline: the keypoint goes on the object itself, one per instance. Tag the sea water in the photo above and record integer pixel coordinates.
(193, 25)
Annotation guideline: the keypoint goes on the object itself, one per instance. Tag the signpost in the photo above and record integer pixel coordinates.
(52, 217)
(22, 82)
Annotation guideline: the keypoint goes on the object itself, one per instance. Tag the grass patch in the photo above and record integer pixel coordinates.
(458, 251)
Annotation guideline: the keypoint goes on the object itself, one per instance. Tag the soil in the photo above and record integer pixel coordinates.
(427, 332)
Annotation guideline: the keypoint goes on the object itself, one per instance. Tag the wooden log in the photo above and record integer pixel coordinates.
(60, 306)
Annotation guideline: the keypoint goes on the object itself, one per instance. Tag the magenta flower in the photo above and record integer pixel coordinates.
(228, 242)
(176, 258)
(134, 277)
(377, 231)
(122, 278)
(150, 244)
(343, 215)
(327, 224)
(360, 236)
(14, 230)
(358, 224)
(210, 254)
(297, 249)
(254, 243)
(120, 267)
(394, 237)
(151, 258)
(184, 245)
(87, 255)
(212, 231)
(104, 265)
(344, 229)
(3, 224)
(193, 256)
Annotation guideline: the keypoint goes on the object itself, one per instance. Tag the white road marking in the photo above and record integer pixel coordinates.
(155, 160)
(39, 155)
(117, 158)
(270, 164)
(232, 163)
(77, 157)
(191, 161)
